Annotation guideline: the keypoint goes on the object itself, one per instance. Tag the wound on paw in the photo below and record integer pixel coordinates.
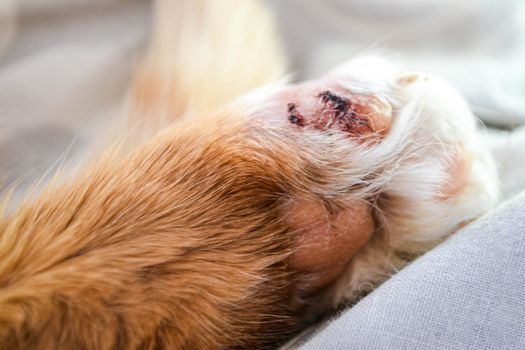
(356, 115)
(294, 116)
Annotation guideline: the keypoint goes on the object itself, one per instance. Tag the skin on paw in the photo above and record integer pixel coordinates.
(458, 170)
(327, 239)
(324, 106)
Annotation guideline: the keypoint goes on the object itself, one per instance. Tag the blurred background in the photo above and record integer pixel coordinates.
(65, 66)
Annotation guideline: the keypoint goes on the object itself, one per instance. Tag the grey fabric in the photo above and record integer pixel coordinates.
(468, 293)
